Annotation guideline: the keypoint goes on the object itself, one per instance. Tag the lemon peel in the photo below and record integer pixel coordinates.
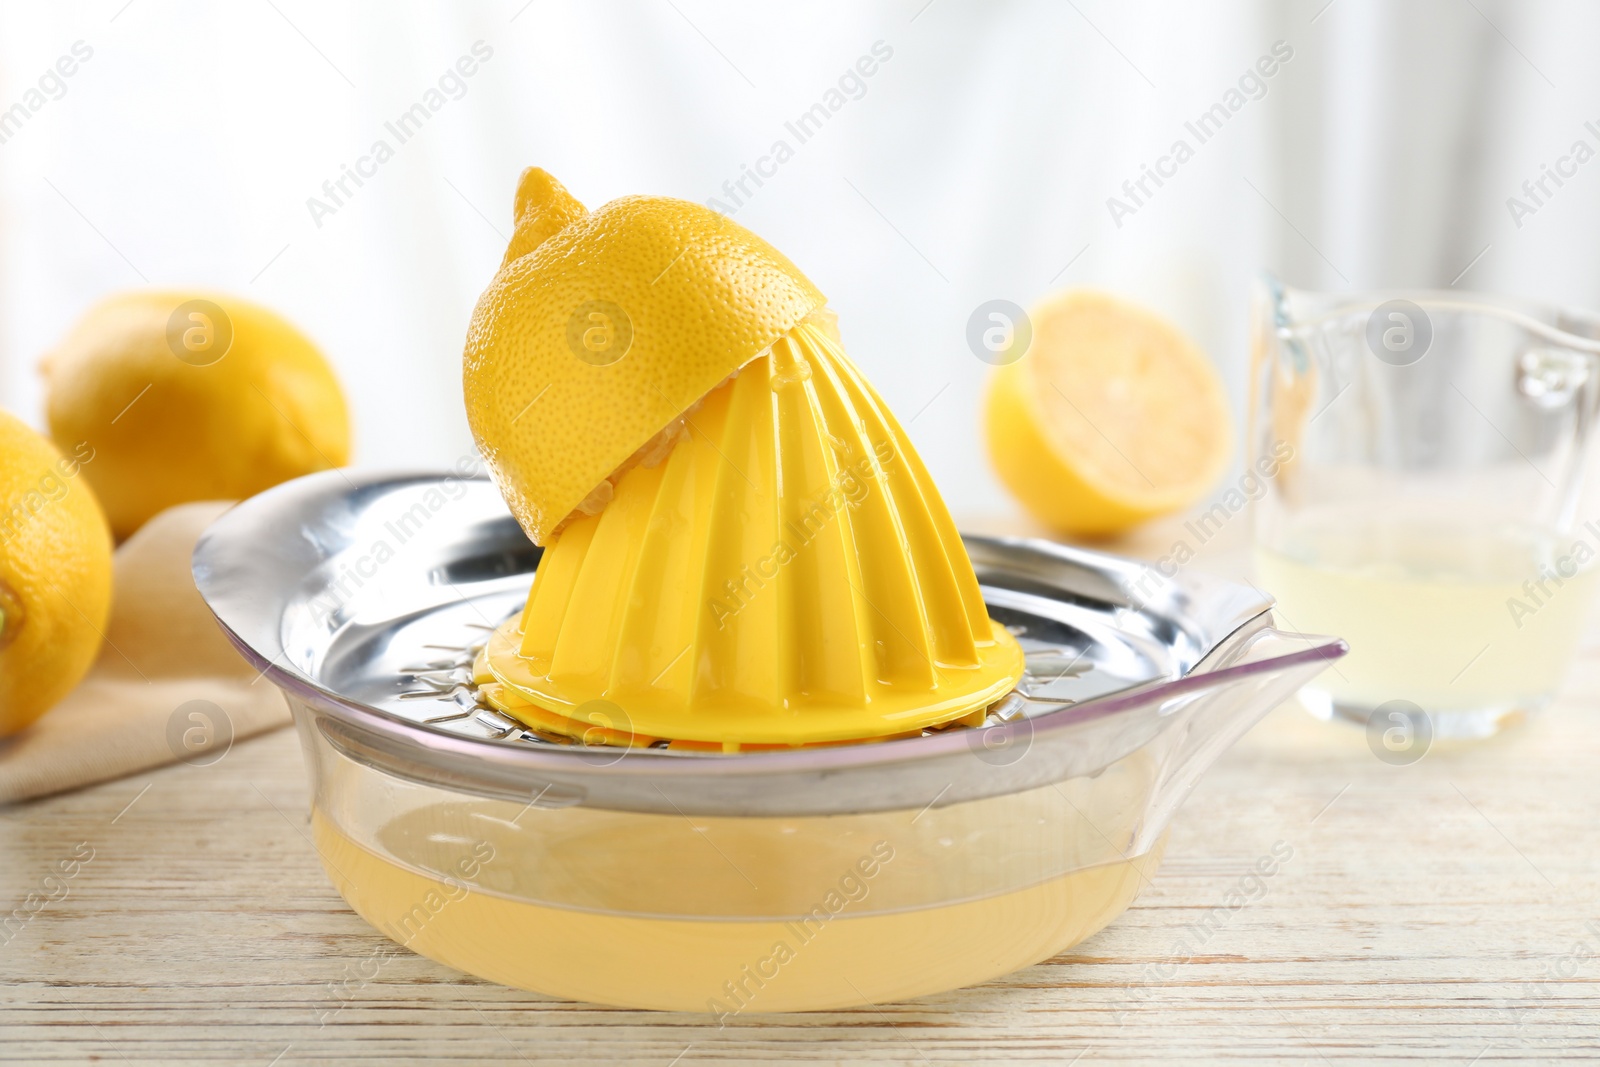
(694, 295)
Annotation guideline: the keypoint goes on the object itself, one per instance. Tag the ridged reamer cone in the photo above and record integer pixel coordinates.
(788, 575)
(601, 327)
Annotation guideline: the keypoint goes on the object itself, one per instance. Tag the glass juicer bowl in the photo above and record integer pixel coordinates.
(760, 881)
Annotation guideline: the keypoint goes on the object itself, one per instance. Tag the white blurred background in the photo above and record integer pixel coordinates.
(975, 163)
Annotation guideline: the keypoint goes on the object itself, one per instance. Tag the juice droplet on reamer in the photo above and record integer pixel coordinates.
(794, 373)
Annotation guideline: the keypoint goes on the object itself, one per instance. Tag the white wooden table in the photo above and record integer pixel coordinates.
(1446, 911)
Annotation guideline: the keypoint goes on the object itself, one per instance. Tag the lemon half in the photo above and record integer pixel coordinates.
(602, 327)
(1112, 417)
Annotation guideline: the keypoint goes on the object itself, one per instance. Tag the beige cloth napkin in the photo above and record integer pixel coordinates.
(167, 686)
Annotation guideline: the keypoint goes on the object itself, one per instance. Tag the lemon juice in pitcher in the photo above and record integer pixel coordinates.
(1455, 620)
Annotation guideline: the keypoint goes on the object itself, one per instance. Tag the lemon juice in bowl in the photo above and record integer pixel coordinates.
(737, 914)
(1428, 502)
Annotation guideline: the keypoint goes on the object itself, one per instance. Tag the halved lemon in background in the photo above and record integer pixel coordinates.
(1112, 417)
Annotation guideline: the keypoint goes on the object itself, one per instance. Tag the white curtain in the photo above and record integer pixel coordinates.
(976, 160)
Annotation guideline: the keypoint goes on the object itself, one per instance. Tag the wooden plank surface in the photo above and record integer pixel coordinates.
(1446, 911)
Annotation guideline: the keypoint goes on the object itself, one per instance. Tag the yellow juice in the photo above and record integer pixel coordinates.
(1454, 620)
(651, 916)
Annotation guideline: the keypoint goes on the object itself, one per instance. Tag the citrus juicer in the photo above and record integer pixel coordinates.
(653, 877)
(765, 734)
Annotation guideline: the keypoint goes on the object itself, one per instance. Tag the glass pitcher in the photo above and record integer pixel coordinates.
(1424, 454)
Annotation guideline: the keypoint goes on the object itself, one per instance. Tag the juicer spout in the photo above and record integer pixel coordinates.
(1248, 675)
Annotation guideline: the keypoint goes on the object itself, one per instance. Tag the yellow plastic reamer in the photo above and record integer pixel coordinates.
(777, 569)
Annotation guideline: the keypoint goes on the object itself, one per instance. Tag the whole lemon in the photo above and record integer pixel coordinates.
(55, 573)
(185, 396)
